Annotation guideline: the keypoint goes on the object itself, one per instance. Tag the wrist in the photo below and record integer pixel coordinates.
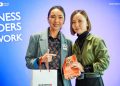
(88, 68)
(39, 60)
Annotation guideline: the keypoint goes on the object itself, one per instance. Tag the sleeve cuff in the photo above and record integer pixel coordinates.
(35, 63)
(88, 68)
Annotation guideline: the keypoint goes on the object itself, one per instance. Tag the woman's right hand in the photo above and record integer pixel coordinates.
(47, 57)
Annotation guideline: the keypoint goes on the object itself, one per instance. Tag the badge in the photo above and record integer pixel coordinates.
(64, 47)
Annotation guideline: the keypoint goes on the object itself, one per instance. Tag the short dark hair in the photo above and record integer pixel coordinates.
(58, 7)
(85, 15)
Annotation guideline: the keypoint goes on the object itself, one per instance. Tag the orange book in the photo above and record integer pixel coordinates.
(68, 69)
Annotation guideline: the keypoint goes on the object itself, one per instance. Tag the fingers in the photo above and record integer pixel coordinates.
(47, 56)
(44, 59)
(81, 68)
(51, 55)
(78, 65)
(75, 65)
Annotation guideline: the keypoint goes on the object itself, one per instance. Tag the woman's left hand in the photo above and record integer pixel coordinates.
(78, 65)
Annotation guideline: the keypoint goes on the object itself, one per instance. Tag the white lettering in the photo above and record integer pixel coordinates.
(10, 16)
(1, 27)
(18, 17)
(11, 38)
(2, 17)
(7, 27)
(10, 27)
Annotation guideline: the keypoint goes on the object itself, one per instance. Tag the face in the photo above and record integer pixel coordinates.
(56, 19)
(79, 23)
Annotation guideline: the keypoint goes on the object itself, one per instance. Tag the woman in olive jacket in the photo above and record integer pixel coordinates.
(90, 50)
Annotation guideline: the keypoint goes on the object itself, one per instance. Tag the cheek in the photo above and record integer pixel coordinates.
(83, 25)
(50, 22)
(73, 26)
(62, 22)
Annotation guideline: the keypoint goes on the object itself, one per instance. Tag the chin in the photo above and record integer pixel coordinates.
(78, 32)
(57, 28)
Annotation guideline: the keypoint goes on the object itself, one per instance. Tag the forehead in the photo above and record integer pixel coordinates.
(56, 12)
(78, 16)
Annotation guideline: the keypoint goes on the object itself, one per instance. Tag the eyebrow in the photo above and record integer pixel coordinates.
(55, 15)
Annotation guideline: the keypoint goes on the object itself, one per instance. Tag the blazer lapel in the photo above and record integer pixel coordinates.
(43, 41)
(64, 49)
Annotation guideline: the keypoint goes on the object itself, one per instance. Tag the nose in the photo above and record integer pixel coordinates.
(56, 19)
(77, 24)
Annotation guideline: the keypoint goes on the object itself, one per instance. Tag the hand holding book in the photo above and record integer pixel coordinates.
(72, 68)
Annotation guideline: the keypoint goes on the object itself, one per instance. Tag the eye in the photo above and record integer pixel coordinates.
(79, 21)
(52, 16)
(60, 17)
(73, 22)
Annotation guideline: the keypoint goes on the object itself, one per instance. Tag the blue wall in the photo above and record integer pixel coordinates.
(21, 18)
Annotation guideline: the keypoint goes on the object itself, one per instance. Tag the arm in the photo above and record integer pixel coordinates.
(34, 58)
(101, 56)
(31, 55)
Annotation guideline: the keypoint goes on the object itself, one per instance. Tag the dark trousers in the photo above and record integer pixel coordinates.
(96, 81)
(59, 78)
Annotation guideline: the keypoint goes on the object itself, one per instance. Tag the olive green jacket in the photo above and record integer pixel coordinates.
(93, 52)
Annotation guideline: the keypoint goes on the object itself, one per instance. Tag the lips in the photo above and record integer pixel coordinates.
(56, 25)
(76, 29)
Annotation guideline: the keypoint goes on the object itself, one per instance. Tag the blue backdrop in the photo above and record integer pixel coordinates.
(21, 18)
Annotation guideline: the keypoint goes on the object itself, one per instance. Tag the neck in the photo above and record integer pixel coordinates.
(83, 35)
(53, 33)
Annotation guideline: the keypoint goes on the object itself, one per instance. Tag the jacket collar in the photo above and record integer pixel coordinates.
(90, 36)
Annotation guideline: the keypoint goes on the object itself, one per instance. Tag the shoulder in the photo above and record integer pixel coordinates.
(35, 36)
(94, 37)
(65, 38)
(38, 35)
(96, 40)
